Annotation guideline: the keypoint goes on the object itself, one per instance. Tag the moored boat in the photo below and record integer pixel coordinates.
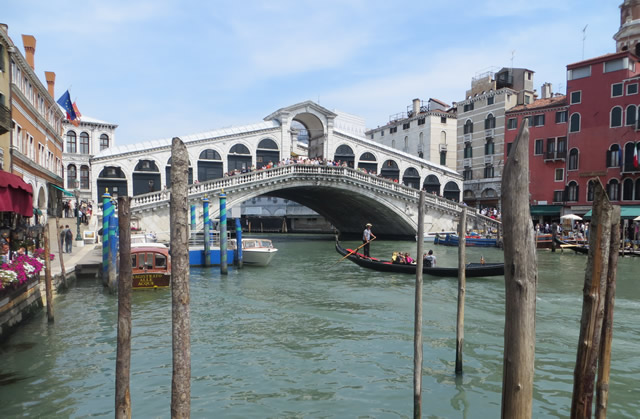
(431, 236)
(454, 240)
(471, 269)
(257, 252)
(151, 267)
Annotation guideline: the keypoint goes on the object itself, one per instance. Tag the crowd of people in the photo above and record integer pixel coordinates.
(70, 209)
(490, 212)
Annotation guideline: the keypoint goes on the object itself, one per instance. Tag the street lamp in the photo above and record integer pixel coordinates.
(76, 192)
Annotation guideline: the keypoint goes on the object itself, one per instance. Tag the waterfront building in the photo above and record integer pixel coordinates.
(481, 128)
(547, 118)
(89, 137)
(36, 143)
(426, 130)
(5, 99)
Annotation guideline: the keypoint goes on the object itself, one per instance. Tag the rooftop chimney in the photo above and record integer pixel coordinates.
(546, 91)
(416, 106)
(29, 43)
(50, 76)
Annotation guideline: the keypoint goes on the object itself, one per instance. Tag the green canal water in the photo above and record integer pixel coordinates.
(307, 337)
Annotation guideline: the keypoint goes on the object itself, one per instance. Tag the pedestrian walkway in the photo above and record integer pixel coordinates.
(80, 250)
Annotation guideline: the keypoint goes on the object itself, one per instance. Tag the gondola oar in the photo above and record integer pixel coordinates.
(353, 251)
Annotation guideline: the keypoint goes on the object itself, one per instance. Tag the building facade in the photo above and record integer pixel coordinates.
(547, 120)
(481, 131)
(90, 137)
(426, 130)
(36, 144)
(5, 99)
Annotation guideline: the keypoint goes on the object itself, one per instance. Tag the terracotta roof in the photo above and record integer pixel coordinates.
(599, 58)
(541, 103)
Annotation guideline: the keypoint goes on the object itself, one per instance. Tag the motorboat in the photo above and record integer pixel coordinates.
(257, 252)
(150, 267)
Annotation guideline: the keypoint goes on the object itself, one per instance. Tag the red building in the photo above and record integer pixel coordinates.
(547, 151)
(604, 96)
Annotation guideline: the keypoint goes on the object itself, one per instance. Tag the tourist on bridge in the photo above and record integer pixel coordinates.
(366, 238)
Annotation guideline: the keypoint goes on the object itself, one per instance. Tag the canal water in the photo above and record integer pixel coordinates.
(309, 337)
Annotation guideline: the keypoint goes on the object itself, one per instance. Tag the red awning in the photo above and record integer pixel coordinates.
(15, 195)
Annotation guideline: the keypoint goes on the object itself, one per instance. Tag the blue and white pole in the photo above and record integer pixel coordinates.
(207, 235)
(239, 242)
(107, 210)
(223, 234)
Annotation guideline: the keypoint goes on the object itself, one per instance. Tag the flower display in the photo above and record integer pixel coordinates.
(22, 268)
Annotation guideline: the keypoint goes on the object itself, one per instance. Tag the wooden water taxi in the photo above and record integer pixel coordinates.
(151, 267)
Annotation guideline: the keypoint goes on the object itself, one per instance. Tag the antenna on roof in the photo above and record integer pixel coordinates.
(513, 53)
(584, 38)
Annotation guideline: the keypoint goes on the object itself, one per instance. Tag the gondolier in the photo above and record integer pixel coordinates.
(366, 238)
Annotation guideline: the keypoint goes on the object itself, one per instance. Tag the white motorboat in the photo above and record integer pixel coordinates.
(257, 252)
(431, 236)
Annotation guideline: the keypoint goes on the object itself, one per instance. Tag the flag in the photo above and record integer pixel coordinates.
(635, 155)
(65, 102)
(75, 108)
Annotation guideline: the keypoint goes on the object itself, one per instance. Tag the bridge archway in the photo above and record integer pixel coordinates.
(368, 162)
(432, 185)
(167, 172)
(146, 177)
(113, 179)
(266, 152)
(209, 165)
(390, 170)
(239, 158)
(345, 154)
(451, 191)
(411, 178)
(316, 131)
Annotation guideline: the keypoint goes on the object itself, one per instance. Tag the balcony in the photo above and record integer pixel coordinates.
(466, 162)
(490, 132)
(5, 119)
(488, 159)
(443, 147)
(467, 138)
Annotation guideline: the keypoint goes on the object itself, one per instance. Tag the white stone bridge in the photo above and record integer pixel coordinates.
(347, 197)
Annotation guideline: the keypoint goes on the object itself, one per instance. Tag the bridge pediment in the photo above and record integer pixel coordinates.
(307, 107)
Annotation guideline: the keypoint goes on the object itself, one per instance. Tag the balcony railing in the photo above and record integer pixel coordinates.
(555, 155)
(466, 162)
(467, 138)
(5, 119)
(489, 132)
(488, 159)
(443, 147)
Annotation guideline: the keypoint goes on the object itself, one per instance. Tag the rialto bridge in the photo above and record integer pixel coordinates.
(385, 193)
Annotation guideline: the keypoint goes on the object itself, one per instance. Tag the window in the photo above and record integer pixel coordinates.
(631, 115)
(538, 120)
(590, 191)
(614, 155)
(420, 121)
(490, 100)
(509, 145)
(489, 147)
(393, 143)
(616, 89)
(488, 171)
(382, 133)
(572, 191)
(406, 145)
(561, 148)
(579, 73)
(468, 107)
(615, 65)
(561, 117)
(468, 151)
(613, 190)
(84, 177)
(559, 175)
(632, 89)
(512, 123)
(468, 127)
(551, 149)
(616, 117)
(527, 99)
(71, 142)
(406, 125)
(574, 125)
(558, 196)
(371, 136)
(573, 159)
(393, 130)
(490, 122)
(627, 189)
(443, 120)
(539, 147)
(576, 97)
(467, 174)
(71, 177)
(84, 143)
(443, 158)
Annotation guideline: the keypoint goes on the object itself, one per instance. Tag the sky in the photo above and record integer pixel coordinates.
(165, 68)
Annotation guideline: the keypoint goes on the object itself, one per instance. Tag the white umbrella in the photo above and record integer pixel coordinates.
(571, 217)
(637, 218)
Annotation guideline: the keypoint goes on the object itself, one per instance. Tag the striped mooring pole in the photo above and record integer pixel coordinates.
(107, 210)
(207, 235)
(223, 234)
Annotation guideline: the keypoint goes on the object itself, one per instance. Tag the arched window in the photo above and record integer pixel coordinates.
(613, 190)
(71, 142)
(627, 190)
(84, 177)
(616, 117)
(489, 147)
(637, 190)
(268, 144)
(490, 122)
(406, 145)
(632, 113)
(468, 127)
(468, 151)
(84, 143)
(573, 159)
(590, 191)
(71, 176)
(572, 191)
(393, 143)
(574, 125)
(614, 155)
(104, 141)
(239, 149)
(421, 145)
(210, 154)
(443, 137)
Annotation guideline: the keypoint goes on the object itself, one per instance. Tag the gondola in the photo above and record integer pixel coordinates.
(472, 269)
(453, 240)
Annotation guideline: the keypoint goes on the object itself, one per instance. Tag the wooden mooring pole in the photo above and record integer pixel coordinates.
(462, 286)
(123, 354)
(47, 274)
(63, 274)
(180, 316)
(521, 278)
(604, 360)
(593, 305)
(417, 330)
